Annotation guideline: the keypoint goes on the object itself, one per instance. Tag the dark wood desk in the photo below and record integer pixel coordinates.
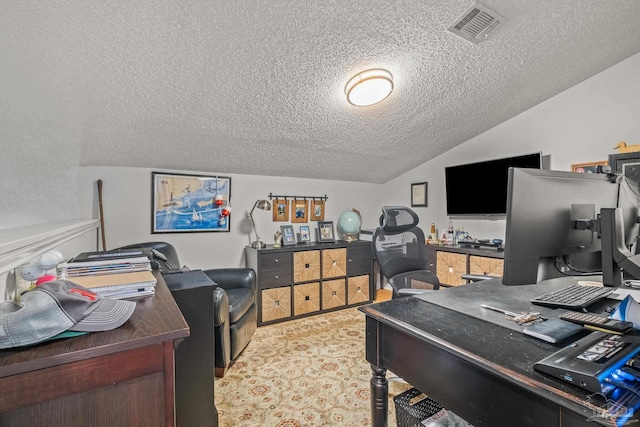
(123, 377)
(479, 368)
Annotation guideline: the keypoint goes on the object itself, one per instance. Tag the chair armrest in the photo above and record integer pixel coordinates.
(477, 277)
(230, 278)
(412, 291)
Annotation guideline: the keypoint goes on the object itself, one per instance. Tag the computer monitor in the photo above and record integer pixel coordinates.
(546, 216)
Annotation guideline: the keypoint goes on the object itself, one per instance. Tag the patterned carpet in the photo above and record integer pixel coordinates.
(306, 372)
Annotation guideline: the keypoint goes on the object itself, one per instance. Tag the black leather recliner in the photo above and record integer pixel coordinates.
(236, 314)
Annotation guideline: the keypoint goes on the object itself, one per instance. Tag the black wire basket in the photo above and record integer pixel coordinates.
(413, 407)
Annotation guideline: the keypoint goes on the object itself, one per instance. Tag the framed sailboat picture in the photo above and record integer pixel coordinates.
(190, 203)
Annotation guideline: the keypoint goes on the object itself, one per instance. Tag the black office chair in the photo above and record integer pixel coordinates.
(401, 251)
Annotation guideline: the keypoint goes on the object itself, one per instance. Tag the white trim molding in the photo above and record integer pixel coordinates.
(21, 245)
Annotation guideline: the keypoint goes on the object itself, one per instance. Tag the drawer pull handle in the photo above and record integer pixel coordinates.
(334, 293)
(307, 298)
(335, 262)
(358, 289)
(277, 260)
(277, 277)
(350, 260)
(307, 265)
(276, 303)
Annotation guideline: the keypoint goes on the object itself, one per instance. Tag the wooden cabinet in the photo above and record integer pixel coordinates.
(122, 377)
(451, 262)
(307, 279)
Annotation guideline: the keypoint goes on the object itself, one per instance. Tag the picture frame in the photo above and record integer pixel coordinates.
(419, 194)
(461, 236)
(288, 235)
(299, 210)
(317, 210)
(588, 167)
(186, 203)
(280, 210)
(305, 234)
(626, 163)
(325, 231)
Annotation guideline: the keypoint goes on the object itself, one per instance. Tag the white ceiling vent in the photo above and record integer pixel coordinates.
(476, 23)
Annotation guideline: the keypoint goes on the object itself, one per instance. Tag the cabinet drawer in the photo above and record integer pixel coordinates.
(276, 303)
(359, 260)
(306, 298)
(334, 262)
(306, 266)
(275, 278)
(357, 268)
(486, 266)
(333, 293)
(451, 267)
(357, 289)
(275, 261)
(359, 254)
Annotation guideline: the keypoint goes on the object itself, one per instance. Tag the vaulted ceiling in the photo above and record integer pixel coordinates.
(257, 86)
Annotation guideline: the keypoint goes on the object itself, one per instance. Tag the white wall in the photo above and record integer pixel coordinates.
(582, 124)
(127, 211)
(40, 135)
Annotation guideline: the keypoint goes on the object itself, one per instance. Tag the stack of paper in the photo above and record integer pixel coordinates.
(117, 277)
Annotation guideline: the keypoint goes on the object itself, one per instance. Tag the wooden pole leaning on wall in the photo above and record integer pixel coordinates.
(104, 243)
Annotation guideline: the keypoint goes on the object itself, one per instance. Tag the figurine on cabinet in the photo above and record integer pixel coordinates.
(277, 239)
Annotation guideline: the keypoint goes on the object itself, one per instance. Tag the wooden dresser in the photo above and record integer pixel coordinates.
(123, 377)
(311, 278)
(451, 262)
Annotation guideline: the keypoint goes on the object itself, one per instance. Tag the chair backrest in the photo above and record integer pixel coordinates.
(399, 244)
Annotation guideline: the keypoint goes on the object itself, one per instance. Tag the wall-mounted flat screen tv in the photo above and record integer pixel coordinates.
(481, 188)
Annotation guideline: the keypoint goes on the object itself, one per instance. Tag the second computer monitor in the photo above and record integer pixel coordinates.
(542, 206)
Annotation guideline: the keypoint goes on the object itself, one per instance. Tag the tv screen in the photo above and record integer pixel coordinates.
(481, 188)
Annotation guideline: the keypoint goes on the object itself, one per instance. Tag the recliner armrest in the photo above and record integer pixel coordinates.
(221, 304)
(230, 278)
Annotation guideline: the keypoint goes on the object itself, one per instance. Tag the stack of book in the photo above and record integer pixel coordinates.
(114, 274)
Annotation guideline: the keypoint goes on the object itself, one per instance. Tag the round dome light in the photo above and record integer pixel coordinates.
(369, 87)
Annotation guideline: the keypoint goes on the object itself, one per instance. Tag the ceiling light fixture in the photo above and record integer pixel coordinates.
(369, 87)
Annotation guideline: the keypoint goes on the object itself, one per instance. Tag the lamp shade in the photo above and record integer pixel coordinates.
(265, 205)
(369, 87)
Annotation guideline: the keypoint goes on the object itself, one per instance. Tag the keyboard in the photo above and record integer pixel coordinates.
(573, 297)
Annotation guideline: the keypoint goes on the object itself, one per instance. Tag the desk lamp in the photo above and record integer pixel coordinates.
(265, 205)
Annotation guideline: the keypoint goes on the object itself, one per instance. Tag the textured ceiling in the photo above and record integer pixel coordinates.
(256, 87)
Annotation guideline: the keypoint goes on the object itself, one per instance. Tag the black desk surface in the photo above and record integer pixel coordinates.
(453, 320)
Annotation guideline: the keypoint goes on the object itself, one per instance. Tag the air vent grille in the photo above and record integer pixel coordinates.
(476, 23)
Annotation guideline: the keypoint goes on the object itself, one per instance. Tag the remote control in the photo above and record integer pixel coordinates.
(597, 322)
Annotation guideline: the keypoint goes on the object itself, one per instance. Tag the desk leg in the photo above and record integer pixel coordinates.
(379, 396)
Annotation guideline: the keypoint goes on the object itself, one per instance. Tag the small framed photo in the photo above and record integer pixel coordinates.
(305, 234)
(299, 212)
(589, 167)
(325, 231)
(462, 236)
(317, 210)
(419, 194)
(288, 235)
(281, 210)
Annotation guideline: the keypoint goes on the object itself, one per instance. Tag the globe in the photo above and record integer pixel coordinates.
(349, 224)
